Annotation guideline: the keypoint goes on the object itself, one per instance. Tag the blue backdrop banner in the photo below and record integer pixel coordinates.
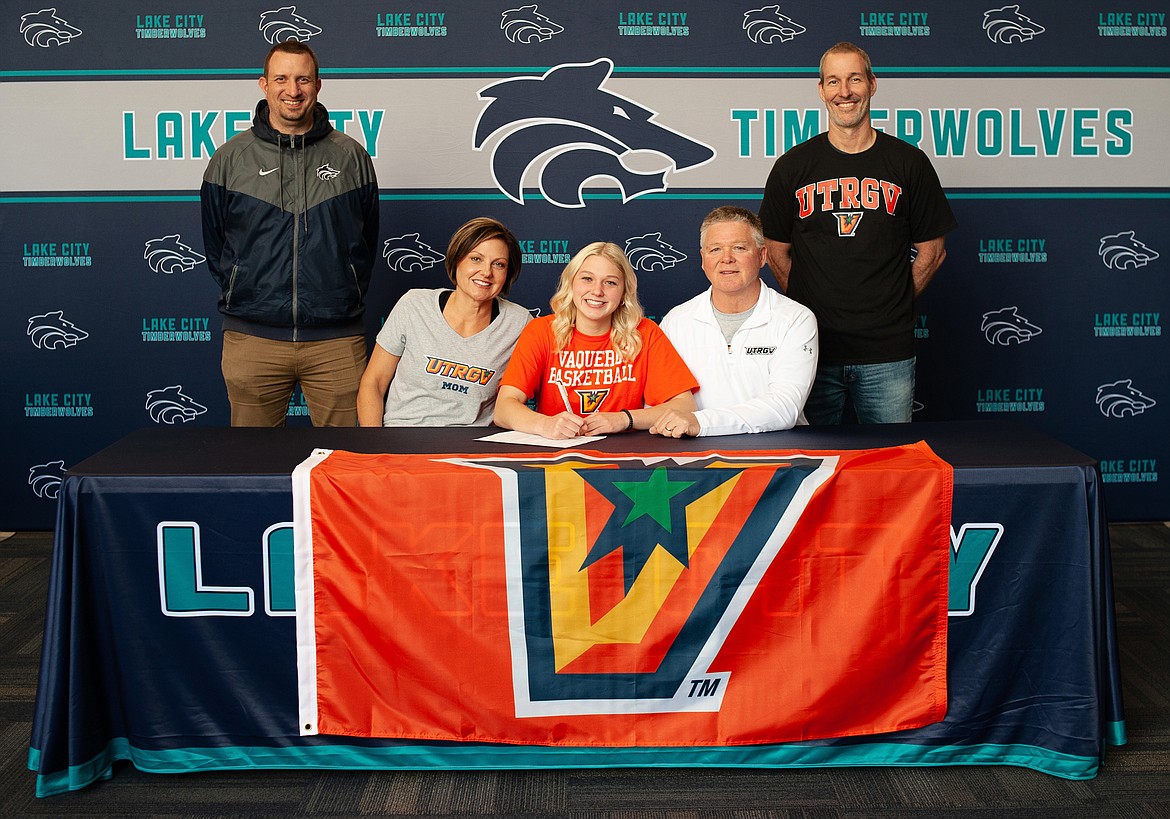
(572, 123)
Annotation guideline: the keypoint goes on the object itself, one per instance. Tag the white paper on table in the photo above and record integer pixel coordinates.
(528, 439)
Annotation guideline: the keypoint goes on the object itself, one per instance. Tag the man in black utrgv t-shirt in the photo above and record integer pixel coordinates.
(841, 213)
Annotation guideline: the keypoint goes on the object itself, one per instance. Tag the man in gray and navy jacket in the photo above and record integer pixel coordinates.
(290, 230)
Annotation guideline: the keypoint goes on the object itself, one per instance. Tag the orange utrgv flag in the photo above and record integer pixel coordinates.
(584, 599)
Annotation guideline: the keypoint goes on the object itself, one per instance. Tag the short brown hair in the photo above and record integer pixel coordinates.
(293, 47)
(473, 233)
(847, 48)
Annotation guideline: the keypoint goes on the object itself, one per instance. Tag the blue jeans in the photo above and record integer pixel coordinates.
(881, 393)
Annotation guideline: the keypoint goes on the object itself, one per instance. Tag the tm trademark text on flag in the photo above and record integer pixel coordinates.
(584, 599)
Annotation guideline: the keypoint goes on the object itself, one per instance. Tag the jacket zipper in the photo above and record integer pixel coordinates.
(295, 248)
(232, 285)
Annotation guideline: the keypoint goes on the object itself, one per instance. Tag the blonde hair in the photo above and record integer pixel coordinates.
(624, 321)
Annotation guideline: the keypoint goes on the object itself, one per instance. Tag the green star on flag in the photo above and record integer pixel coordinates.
(652, 497)
(649, 511)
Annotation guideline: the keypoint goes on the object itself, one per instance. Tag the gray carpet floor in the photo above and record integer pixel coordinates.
(1134, 783)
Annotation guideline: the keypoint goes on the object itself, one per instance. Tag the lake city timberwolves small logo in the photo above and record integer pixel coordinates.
(44, 29)
(171, 405)
(408, 254)
(625, 610)
(1008, 26)
(564, 129)
(767, 25)
(52, 331)
(1122, 251)
(1006, 327)
(527, 25)
(279, 25)
(45, 479)
(650, 252)
(327, 172)
(169, 255)
(1122, 398)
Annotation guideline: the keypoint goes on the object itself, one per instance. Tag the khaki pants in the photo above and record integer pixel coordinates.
(260, 375)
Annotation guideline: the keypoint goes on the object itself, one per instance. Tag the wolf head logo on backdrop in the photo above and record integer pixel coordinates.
(171, 405)
(45, 479)
(1006, 326)
(564, 128)
(649, 252)
(406, 254)
(767, 25)
(527, 25)
(1122, 251)
(52, 331)
(1007, 25)
(1121, 398)
(169, 255)
(44, 28)
(284, 23)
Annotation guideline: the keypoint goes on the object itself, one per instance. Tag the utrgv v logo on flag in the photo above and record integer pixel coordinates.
(622, 607)
(564, 129)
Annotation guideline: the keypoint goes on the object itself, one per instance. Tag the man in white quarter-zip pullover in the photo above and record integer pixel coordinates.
(753, 350)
